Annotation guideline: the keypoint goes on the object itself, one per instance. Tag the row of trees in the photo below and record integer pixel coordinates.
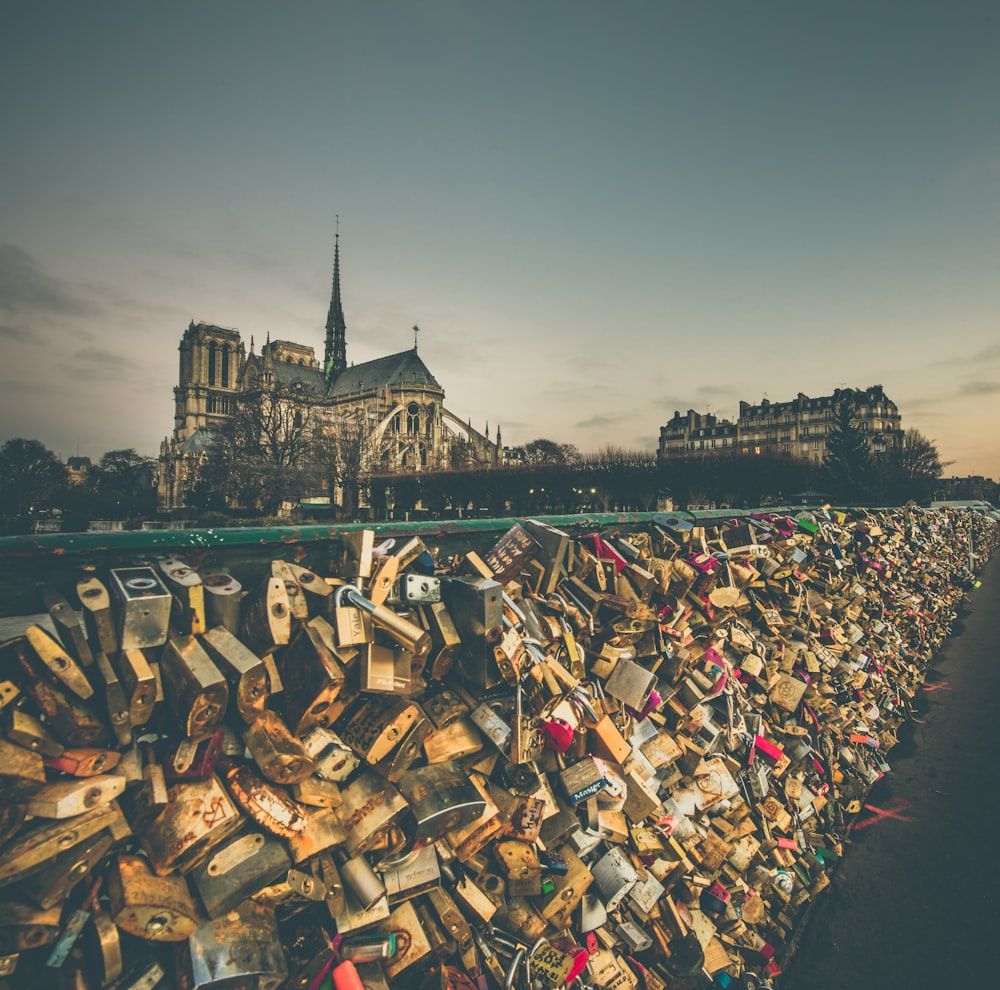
(34, 481)
(273, 450)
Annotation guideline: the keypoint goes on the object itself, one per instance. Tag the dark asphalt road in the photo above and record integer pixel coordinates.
(915, 903)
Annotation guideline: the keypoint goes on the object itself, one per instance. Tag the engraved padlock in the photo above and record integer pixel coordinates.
(441, 798)
(242, 946)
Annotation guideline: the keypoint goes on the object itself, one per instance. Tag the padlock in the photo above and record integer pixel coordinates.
(242, 946)
(184, 582)
(270, 807)
(404, 632)
(371, 806)
(311, 670)
(446, 643)
(70, 720)
(441, 799)
(140, 684)
(51, 886)
(267, 617)
(68, 627)
(318, 593)
(414, 873)
(199, 815)
(614, 877)
(60, 666)
(194, 686)
(223, 597)
(244, 670)
(103, 949)
(98, 619)
(151, 907)
(237, 868)
(385, 670)
(22, 772)
(456, 741)
(409, 748)
(468, 840)
(487, 719)
(378, 725)
(332, 759)
(185, 759)
(33, 849)
(68, 798)
(81, 762)
(476, 609)
(416, 589)
(279, 755)
(526, 738)
(298, 607)
(143, 605)
(353, 626)
(520, 866)
(25, 926)
(292, 893)
(117, 704)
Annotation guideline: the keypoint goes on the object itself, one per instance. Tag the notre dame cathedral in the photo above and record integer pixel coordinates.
(396, 397)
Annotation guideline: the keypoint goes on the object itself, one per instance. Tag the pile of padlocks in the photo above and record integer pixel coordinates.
(628, 758)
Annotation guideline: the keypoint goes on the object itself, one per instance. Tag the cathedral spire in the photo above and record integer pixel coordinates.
(335, 356)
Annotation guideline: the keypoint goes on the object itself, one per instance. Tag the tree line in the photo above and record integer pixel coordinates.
(272, 452)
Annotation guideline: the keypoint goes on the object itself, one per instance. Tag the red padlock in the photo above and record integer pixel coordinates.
(558, 734)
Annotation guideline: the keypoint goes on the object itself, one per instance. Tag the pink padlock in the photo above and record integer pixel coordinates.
(558, 734)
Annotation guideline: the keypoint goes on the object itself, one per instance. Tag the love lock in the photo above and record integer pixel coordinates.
(558, 734)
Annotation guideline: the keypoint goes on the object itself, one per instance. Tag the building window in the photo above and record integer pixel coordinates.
(413, 418)
(211, 363)
(225, 366)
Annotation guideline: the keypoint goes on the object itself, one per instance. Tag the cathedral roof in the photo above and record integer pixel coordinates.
(288, 373)
(202, 439)
(403, 369)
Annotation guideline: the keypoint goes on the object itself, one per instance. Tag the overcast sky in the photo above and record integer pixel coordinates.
(598, 213)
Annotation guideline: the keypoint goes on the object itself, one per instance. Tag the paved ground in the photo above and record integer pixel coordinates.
(915, 904)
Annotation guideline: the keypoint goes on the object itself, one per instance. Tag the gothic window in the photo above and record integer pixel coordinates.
(225, 366)
(413, 418)
(297, 421)
(211, 363)
(423, 455)
(395, 423)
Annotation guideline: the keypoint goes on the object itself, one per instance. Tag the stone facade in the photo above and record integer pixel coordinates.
(797, 428)
(396, 397)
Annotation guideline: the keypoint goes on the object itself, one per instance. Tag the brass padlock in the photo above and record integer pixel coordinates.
(52, 885)
(318, 593)
(199, 815)
(143, 604)
(184, 582)
(385, 670)
(116, 701)
(280, 756)
(223, 597)
(31, 851)
(25, 926)
(151, 907)
(297, 605)
(353, 627)
(446, 643)
(406, 633)
(311, 670)
(68, 798)
(22, 772)
(195, 688)
(244, 670)
(407, 750)
(58, 663)
(371, 806)
(98, 619)
(375, 728)
(270, 807)
(83, 762)
(476, 609)
(267, 617)
(140, 683)
(415, 873)
(68, 627)
(520, 865)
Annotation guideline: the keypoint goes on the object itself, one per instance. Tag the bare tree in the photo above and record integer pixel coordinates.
(352, 451)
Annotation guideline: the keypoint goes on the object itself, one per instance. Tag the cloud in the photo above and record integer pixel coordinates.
(983, 356)
(980, 388)
(98, 364)
(26, 288)
(596, 422)
(13, 333)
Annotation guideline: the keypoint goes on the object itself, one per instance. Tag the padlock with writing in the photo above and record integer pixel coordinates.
(237, 869)
(441, 799)
(151, 907)
(270, 807)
